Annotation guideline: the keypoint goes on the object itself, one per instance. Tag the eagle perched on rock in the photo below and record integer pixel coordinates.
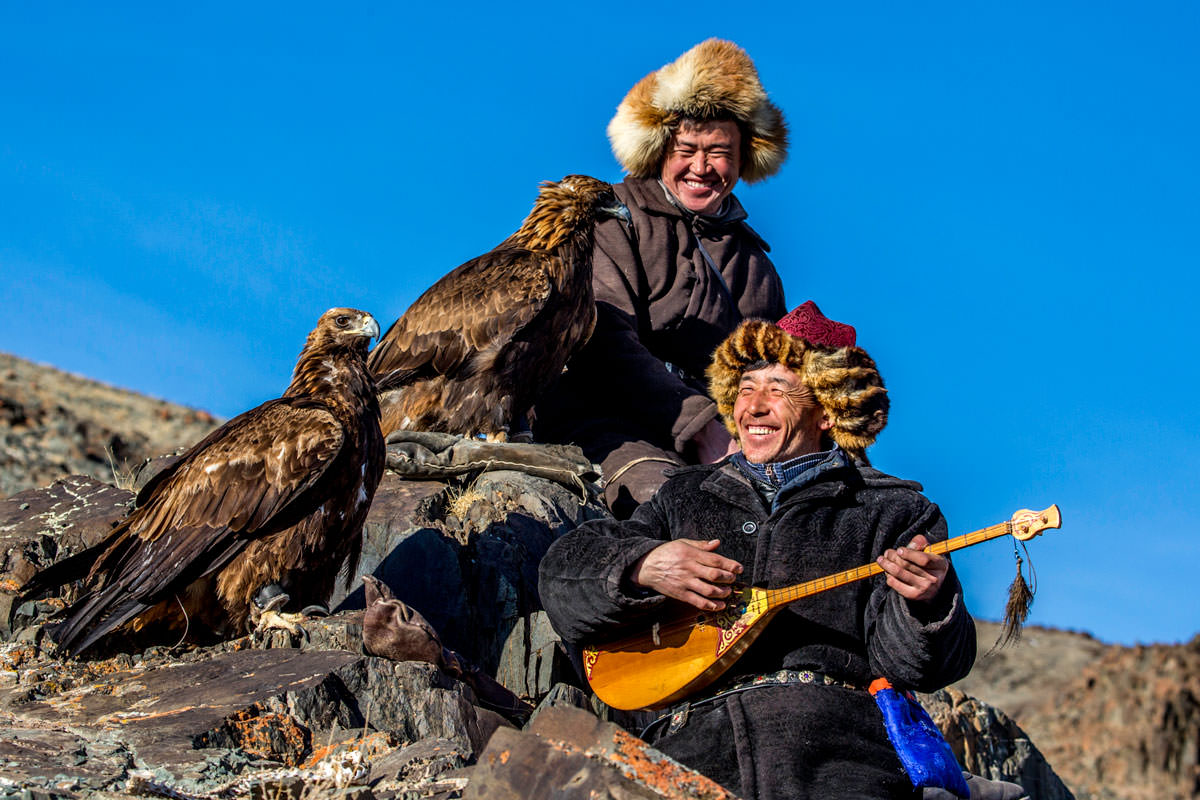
(472, 354)
(276, 497)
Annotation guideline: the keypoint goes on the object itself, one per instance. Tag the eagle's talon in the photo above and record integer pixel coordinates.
(271, 597)
(271, 619)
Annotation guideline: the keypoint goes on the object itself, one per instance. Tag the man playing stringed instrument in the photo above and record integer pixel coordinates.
(791, 716)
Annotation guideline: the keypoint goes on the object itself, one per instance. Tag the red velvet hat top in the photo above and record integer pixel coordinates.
(807, 322)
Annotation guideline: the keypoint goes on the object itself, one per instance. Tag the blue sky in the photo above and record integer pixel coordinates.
(1002, 197)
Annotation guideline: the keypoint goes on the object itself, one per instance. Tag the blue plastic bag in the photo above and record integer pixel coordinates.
(919, 744)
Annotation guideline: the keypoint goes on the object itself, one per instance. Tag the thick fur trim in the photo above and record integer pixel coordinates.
(714, 79)
(844, 380)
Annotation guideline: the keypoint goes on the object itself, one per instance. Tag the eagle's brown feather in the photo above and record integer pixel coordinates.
(276, 495)
(248, 473)
(474, 351)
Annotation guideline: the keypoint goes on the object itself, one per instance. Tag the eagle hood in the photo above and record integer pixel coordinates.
(715, 79)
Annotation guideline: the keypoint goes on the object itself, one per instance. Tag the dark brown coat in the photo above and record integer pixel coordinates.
(658, 302)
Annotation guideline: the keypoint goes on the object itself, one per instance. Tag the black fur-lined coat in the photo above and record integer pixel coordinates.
(799, 740)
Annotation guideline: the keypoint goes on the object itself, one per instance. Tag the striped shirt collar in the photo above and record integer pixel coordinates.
(773, 477)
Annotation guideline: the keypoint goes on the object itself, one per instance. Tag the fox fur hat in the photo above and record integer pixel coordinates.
(841, 376)
(713, 80)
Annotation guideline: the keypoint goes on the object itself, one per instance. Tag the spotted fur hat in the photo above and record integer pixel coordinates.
(822, 352)
(713, 80)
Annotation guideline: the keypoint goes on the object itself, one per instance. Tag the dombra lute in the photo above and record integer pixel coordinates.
(687, 649)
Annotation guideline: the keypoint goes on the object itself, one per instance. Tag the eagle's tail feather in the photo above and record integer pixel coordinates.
(91, 618)
(72, 568)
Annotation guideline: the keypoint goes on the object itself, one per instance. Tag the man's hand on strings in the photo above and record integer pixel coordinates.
(915, 574)
(688, 570)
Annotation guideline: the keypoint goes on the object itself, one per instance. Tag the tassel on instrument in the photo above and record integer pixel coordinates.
(1016, 610)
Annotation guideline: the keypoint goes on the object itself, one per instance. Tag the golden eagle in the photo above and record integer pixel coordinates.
(275, 496)
(472, 354)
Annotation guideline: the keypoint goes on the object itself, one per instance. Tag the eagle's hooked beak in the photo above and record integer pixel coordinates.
(620, 211)
(369, 327)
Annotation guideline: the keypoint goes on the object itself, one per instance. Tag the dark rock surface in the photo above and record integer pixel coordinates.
(988, 743)
(41, 526)
(197, 721)
(464, 554)
(568, 753)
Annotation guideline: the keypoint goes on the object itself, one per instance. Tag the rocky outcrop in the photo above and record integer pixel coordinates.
(465, 555)
(203, 722)
(40, 526)
(988, 743)
(54, 424)
(1117, 722)
(570, 754)
(1130, 723)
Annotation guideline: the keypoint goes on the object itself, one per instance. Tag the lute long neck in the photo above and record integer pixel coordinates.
(787, 594)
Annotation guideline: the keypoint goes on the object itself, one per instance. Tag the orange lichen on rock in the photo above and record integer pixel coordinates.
(110, 666)
(661, 773)
(265, 734)
(370, 745)
(14, 656)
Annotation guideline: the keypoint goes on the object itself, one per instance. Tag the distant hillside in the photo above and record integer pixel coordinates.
(55, 424)
(1115, 722)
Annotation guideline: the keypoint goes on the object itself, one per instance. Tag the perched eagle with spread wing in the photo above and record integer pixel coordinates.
(273, 499)
(473, 353)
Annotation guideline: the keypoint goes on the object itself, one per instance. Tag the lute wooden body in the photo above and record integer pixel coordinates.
(687, 649)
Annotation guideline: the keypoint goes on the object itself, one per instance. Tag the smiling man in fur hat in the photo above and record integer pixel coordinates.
(792, 718)
(673, 284)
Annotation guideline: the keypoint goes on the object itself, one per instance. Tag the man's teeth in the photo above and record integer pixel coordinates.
(756, 430)
(697, 184)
